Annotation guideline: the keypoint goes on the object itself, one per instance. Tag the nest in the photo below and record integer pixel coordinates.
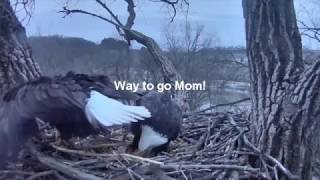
(211, 146)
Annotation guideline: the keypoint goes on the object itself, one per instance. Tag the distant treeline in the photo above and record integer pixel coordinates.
(58, 55)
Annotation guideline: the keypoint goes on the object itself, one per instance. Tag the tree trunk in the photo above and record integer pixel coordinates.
(16, 63)
(285, 95)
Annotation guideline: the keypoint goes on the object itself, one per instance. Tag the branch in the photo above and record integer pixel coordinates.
(220, 105)
(56, 165)
(40, 174)
(110, 12)
(112, 15)
(169, 72)
(272, 159)
(306, 28)
(138, 158)
(256, 150)
(210, 166)
(27, 7)
(173, 4)
(16, 172)
(234, 60)
(79, 11)
(132, 14)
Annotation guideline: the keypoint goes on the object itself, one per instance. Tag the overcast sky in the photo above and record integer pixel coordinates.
(222, 19)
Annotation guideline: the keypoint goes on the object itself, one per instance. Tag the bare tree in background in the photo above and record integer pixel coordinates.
(310, 26)
(285, 94)
(126, 30)
(150, 71)
(16, 63)
(123, 65)
(197, 58)
(185, 53)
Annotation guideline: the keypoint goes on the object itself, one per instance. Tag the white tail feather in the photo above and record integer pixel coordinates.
(150, 138)
(107, 111)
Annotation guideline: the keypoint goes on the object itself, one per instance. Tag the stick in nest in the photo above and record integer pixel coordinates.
(58, 166)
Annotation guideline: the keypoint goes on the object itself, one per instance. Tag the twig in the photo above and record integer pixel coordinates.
(224, 154)
(105, 155)
(160, 174)
(272, 159)
(142, 159)
(218, 105)
(275, 172)
(79, 152)
(40, 174)
(109, 11)
(169, 72)
(210, 166)
(250, 145)
(16, 172)
(69, 11)
(54, 164)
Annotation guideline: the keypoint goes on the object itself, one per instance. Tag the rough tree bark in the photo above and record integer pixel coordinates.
(16, 63)
(285, 94)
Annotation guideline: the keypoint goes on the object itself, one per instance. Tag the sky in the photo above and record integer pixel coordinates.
(222, 19)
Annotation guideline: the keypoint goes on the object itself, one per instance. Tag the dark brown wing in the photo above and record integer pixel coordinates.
(102, 84)
(43, 98)
(14, 131)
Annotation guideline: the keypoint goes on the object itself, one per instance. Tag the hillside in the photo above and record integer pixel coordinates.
(219, 67)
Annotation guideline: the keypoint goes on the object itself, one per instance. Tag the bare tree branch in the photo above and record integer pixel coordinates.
(109, 11)
(112, 15)
(74, 11)
(59, 166)
(27, 6)
(310, 32)
(218, 105)
(173, 4)
(170, 74)
(132, 14)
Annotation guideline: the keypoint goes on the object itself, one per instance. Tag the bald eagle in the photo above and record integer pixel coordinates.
(76, 104)
(154, 134)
